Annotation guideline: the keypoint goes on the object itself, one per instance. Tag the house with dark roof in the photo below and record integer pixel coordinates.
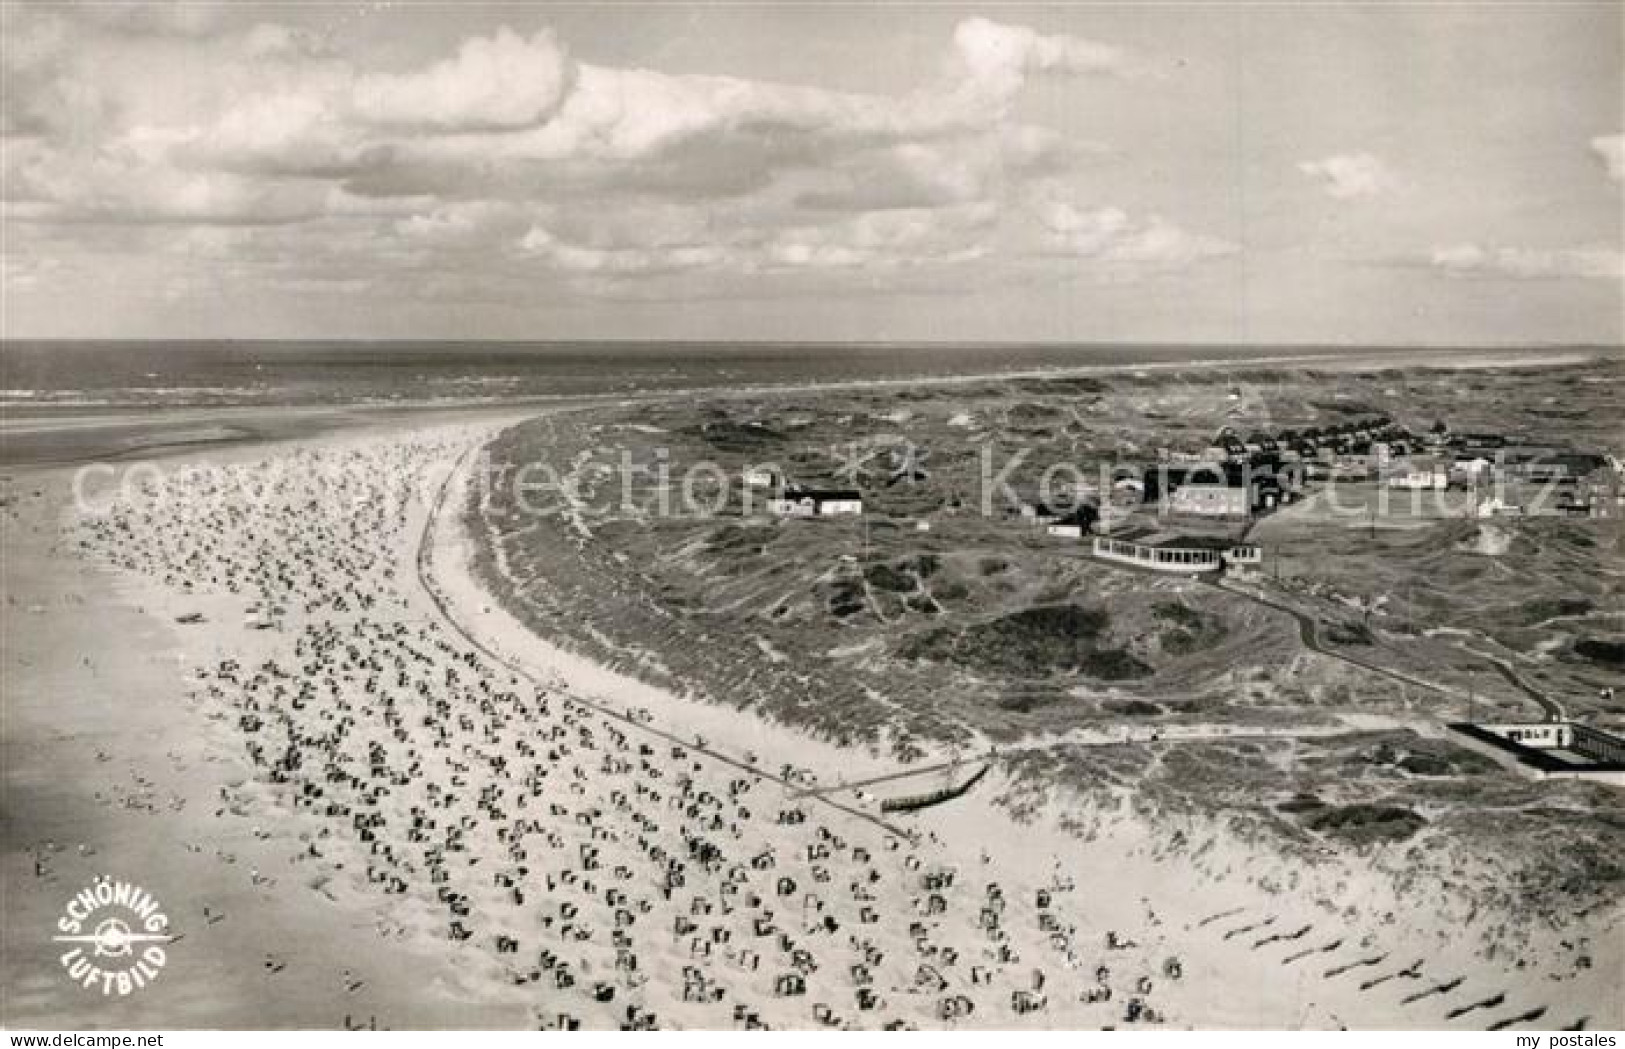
(1076, 523)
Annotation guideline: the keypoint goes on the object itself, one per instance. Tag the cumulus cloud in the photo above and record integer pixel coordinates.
(1351, 176)
(508, 99)
(493, 83)
(623, 260)
(1478, 260)
(300, 133)
(885, 240)
(1111, 235)
(1611, 150)
(999, 58)
(507, 153)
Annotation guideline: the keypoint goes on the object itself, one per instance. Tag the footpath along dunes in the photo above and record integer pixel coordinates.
(595, 855)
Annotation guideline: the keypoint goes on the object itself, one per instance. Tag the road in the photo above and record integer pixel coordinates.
(1308, 631)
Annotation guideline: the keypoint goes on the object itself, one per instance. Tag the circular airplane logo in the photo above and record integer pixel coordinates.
(116, 932)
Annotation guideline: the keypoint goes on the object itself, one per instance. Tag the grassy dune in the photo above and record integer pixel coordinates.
(984, 629)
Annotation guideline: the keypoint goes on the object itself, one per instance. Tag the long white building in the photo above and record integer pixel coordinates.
(1170, 552)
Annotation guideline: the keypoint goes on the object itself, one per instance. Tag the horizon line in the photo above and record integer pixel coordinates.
(822, 343)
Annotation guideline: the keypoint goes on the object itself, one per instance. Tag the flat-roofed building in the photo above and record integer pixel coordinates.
(1210, 500)
(1419, 474)
(1172, 552)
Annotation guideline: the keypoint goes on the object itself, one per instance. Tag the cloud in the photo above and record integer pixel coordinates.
(47, 91)
(1477, 260)
(1611, 149)
(1112, 236)
(1000, 58)
(295, 133)
(21, 272)
(461, 223)
(123, 183)
(270, 40)
(1351, 176)
(494, 83)
(506, 155)
(178, 18)
(492, 117)
(622, 261)
(508, 100)
(887, 240)
(936, 173)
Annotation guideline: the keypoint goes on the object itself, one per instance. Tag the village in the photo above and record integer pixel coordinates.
(1191, 511)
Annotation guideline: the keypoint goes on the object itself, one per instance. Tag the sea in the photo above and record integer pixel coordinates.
(65, 402)
(127, 374)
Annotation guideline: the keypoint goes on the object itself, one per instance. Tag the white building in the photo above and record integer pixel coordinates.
(760, 477)
(1244, 554)
(1209, 500)
(1469, 469)
(1164, 552)
(809, 503)
(1419, 474)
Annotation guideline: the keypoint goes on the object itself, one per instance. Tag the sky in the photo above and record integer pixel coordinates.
(1240, 173)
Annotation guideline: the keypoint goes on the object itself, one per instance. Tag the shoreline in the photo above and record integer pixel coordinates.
(84, 414)
(36, 435)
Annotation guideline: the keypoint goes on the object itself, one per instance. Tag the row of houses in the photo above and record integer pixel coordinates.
(1566, 483)
(1313, 443)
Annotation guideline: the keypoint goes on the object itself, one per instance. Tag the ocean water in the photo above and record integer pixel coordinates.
(74, 374)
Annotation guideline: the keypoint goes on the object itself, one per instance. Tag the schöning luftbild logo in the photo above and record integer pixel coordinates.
(117, 932)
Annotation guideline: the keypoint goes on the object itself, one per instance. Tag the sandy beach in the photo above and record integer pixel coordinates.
(377, 794)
